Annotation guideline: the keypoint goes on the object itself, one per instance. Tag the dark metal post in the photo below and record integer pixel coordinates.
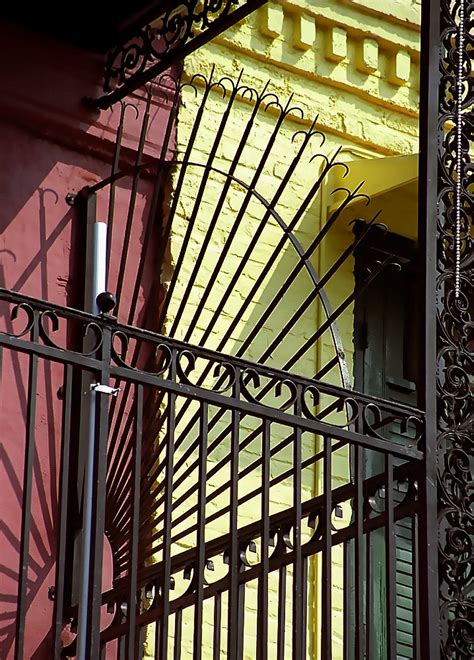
(428, 192)
(455, 250)
(63, 507)
(98, 517)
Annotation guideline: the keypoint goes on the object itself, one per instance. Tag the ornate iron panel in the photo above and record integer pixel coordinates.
(455, 286)
(174, 31)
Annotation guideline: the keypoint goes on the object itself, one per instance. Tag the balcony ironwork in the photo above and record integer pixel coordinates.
(173, 30)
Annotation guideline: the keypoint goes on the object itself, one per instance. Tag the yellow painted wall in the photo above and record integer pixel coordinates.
(356, 65)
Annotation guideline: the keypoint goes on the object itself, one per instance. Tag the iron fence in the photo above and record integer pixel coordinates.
(245, 526)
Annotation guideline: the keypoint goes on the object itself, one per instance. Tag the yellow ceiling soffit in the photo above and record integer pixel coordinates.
(380, 175)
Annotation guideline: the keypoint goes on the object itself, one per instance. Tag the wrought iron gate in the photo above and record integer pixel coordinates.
(231, 508)
(174, 573)
(220, 511)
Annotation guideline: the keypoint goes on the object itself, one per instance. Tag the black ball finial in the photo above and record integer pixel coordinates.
(106, 301)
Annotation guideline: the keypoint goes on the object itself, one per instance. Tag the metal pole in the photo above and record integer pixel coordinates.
(427, 560)
(95, 283)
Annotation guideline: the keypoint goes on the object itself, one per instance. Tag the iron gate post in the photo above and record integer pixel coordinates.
(428, 601)
(100, 481)
(455, 280)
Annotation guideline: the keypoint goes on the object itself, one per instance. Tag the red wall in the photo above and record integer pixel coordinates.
(50, 144)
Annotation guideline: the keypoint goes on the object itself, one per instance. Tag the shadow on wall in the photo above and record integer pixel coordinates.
(53, 145)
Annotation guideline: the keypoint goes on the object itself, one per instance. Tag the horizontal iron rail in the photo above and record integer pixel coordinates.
(246, 403)
(189, 391)
(132, 332)
(250, 532)
(267, 412)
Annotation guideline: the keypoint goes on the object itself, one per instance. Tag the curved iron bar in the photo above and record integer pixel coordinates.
(266, 100)
(150, 497)
(271, 212)
(241, 89)
(176, 466)
(329, 313)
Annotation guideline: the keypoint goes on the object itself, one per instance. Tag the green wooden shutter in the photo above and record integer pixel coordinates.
(385, 363)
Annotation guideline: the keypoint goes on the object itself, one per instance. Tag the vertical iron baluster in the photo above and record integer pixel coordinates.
(332, 318)
(135, 524)
(132, 201)
(152, 214)
(216, 654)
(390, 560)
(268, 266)
(347, 637)
(115, 169)
(240, 623)
(165, 597)
(26, 500)
(255, 241)
(297, 553)
(239, 216)
(141, 642)
(121, 648)
(326, 585)
(201, 536)
(157, 638)
(281, 613)
(199, 194)
(262, 618)
(359, 556)
(217, 214)
(63, 508)
(234, 559)
(304, 597)
(178, 627)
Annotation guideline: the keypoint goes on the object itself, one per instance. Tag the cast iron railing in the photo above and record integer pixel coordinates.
(203, 540)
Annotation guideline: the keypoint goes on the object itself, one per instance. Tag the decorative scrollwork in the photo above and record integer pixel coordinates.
(163, 42)
(292, 396)
(213, 375)
(26, 309)
(135, 353)
(226, 374)
(455, 382)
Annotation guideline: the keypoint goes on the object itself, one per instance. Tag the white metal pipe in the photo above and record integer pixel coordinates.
(95, 284)
(99, 272)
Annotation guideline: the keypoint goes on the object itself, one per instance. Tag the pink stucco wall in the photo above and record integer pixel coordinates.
(51, 144)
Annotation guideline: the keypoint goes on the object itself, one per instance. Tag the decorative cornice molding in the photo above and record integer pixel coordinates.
(335, 53)
(343, 125)
(399, 13)
(358, 19)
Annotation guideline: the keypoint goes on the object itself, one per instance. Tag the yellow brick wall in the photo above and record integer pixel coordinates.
(356, 65)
